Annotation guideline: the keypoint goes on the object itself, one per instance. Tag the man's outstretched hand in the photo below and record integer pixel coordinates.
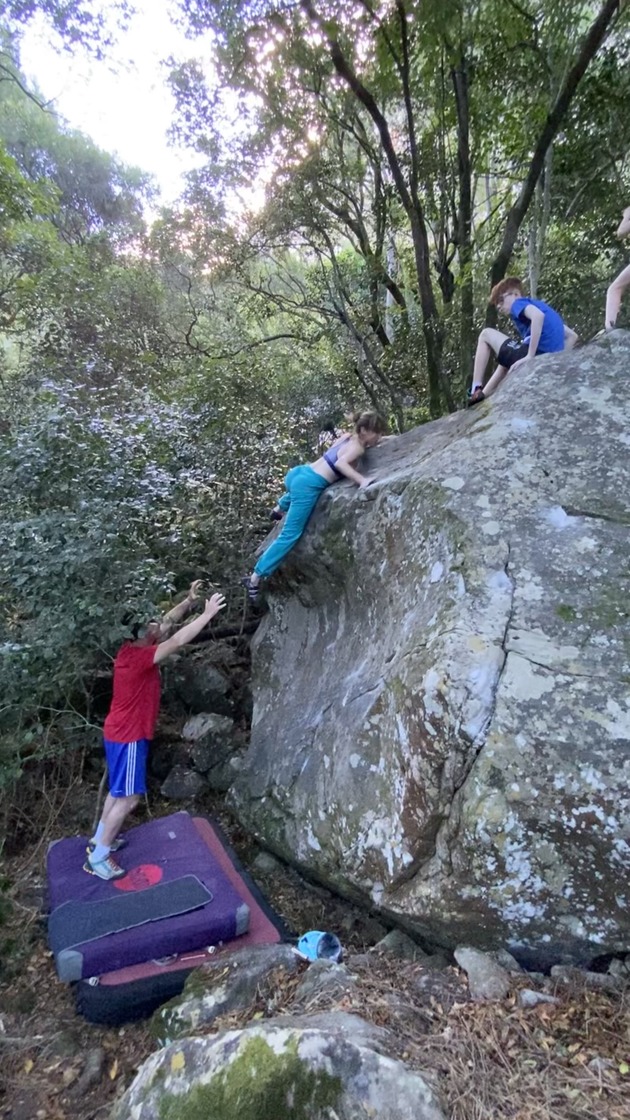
(194, 590)
(214, 605)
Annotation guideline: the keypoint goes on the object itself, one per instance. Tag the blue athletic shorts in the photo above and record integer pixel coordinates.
(127, 767)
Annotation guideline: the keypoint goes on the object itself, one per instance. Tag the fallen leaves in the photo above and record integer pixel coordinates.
(562, 1062)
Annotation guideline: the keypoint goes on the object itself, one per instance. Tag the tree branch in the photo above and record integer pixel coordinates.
(11, 76)
(344, 69)
(590, 45)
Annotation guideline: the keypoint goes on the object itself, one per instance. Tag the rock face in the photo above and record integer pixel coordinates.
(213, 742)
(442, 685)
(190, 680)
(223, 987)
(302, 1071)
(181, 784)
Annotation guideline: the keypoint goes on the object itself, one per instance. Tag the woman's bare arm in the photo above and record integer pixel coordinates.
(348, 457)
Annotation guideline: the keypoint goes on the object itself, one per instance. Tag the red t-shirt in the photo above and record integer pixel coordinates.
(136, 698)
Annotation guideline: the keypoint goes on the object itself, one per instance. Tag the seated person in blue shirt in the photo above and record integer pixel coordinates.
(303, 486)
(541, 329)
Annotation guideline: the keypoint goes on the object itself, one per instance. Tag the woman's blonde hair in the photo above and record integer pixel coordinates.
(368, 422)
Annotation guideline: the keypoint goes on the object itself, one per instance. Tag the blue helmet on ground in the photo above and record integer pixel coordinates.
(316, 945)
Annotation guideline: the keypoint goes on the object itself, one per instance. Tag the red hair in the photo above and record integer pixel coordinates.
(510, 284)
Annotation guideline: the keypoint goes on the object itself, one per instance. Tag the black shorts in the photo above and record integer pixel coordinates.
(512, 352)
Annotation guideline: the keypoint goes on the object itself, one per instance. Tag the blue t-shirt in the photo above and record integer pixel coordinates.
(552, 335)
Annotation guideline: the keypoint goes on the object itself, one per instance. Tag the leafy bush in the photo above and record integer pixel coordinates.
(110, 500)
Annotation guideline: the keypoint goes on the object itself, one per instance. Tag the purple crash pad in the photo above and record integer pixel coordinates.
(167, 850)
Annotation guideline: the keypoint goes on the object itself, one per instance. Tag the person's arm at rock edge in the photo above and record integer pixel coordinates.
(349, 456)
(570, 338)
(537, 319)
(190, 631)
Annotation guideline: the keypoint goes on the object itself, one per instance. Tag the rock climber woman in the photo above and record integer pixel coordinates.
(305, 483)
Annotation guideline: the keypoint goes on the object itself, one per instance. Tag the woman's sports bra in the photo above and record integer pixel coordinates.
(332, 455)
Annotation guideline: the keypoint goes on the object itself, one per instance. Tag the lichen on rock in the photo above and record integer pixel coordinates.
(259, 1082)
(303, 1068)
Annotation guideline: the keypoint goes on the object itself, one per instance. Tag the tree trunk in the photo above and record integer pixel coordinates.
(460, 76)
(541, 211)
(432, 327)
(532, 244)
(590, 45)
(372, 361)
(392, 269)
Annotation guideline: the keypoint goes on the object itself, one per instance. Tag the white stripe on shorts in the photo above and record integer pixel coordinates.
(131, 768)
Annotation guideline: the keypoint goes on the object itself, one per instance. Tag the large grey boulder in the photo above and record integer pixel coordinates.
(442, 684)
(294, 1071)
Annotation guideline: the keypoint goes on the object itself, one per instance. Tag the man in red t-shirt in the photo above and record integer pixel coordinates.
(130, 724)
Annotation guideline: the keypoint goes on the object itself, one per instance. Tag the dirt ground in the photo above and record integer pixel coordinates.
(487, 1061)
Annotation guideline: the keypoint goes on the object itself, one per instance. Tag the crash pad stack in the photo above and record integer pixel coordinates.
(128, 944)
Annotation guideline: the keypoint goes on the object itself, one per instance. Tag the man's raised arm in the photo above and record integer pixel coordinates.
(190, 631)
(178, 612)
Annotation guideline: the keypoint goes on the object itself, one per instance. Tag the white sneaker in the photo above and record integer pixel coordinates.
(104, 868)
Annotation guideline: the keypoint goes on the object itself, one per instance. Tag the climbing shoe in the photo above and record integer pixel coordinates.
(476, 397)
(252, 589)
(115, 845)
(104, 869)
(276, 515)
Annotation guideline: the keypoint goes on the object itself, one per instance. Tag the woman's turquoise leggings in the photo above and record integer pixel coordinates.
(303, 486)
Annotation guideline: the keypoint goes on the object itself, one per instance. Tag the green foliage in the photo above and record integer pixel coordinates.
(336, 199)
(86, 498)
(93, 191)
(19, 198)
(109, 499)
(75, 21)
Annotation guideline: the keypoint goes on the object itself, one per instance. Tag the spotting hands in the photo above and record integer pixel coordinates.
(214, 605)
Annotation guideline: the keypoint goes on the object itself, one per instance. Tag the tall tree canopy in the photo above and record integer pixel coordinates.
(416, 137)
